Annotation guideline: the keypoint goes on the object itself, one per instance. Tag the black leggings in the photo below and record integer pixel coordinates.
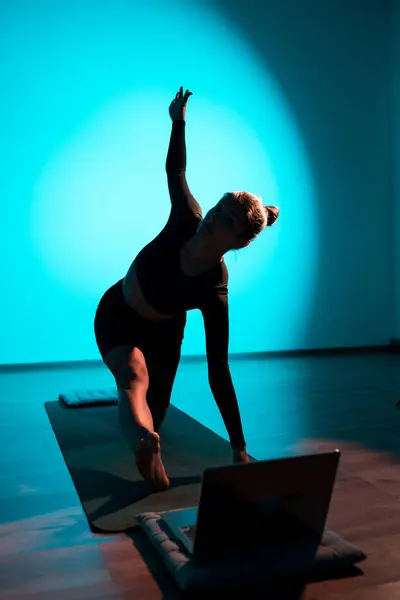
(116, 324)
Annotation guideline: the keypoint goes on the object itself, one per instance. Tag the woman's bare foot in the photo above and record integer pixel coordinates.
(149, 463)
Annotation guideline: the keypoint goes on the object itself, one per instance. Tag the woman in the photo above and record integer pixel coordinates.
(140, 321)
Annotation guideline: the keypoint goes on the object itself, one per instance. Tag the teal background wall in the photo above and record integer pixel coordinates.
(395, 115)
(291, 101)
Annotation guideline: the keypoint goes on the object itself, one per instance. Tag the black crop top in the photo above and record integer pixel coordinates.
(162, 282)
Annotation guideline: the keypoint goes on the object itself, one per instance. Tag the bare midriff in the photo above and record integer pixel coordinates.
(134, 297)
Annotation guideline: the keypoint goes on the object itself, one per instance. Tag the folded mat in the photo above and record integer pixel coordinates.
(334, 556)
(85, 397)
(103, 469)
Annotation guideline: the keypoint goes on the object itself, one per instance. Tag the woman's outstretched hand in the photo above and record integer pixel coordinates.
(177, 109)
(240, 455)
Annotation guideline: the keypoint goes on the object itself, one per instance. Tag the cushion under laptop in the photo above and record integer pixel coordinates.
(103, 469)
(334, 557)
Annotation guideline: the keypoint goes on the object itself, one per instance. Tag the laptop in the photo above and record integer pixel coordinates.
(268, 503)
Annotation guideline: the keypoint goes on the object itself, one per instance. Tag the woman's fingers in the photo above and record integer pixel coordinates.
(179, 95)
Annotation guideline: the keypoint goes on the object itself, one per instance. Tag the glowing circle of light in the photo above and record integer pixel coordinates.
(104, 193)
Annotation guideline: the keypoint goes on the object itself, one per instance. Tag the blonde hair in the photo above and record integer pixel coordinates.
(258, 216)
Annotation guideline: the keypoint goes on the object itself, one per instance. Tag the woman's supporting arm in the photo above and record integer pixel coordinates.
(216, 322)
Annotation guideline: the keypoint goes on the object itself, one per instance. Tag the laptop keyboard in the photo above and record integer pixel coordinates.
(189, 531)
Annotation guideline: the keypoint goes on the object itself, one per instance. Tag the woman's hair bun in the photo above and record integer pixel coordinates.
(272, 214)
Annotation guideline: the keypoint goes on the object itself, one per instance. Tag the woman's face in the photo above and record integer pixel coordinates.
(224, 222)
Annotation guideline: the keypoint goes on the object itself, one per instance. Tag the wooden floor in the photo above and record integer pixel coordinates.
(47, 550)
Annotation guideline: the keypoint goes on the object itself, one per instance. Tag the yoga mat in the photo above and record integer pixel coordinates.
(103, 468)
